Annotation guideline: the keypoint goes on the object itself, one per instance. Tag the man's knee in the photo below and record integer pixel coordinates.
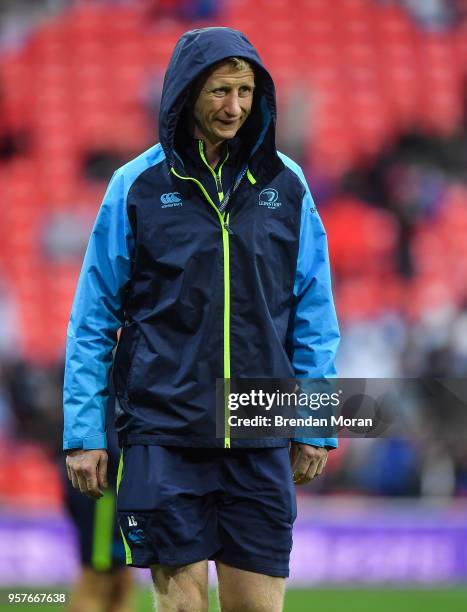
(269, 603)
(181, 589)
(243, 591)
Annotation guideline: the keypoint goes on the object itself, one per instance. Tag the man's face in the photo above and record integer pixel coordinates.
(223, 103)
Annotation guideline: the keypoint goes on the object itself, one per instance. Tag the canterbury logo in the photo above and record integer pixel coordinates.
(171, 199)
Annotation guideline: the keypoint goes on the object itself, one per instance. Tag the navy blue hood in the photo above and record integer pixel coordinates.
(194, 53)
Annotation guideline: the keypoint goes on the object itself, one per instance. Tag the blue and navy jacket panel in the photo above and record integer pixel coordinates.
(158, 266)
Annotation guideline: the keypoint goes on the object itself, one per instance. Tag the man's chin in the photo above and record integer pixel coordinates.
(227, 133)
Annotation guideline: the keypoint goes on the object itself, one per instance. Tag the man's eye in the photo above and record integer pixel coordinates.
(244, 91)
(219, 92)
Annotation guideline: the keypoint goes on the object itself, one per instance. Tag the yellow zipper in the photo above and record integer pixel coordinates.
(226, 246)
(224, 221)
(217, 177)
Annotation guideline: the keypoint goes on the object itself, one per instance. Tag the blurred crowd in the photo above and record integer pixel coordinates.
(417, 191)
(19, 17)
(396, 222)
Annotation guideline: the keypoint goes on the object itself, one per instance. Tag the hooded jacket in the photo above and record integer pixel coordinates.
(200, 294)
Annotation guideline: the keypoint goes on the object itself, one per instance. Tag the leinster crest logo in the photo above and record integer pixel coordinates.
(269, 197)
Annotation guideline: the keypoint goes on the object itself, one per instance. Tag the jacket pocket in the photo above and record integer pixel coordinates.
(125, 358)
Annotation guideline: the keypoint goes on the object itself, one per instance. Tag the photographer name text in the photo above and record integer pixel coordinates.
(281, 421)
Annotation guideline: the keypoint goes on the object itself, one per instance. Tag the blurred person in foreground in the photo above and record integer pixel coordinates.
(209, 252)
(105, 583)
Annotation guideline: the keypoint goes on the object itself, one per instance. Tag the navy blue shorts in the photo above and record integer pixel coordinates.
(181, 505)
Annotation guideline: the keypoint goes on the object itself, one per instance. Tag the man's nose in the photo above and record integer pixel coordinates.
(232, 106)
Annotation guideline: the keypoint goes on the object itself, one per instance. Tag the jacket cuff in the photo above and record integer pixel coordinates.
(91, 443)
(321, 442)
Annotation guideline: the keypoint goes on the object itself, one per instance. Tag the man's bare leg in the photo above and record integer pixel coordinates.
(102, 591)
(243, 591)
(122, 591)
(181, 589)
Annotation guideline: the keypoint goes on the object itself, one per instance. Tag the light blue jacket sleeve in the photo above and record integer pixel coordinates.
(314, 331)
(96, 315)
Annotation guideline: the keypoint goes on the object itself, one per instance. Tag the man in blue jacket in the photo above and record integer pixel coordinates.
(209, 254)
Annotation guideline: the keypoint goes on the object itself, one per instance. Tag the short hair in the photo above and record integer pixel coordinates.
(239, 63)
